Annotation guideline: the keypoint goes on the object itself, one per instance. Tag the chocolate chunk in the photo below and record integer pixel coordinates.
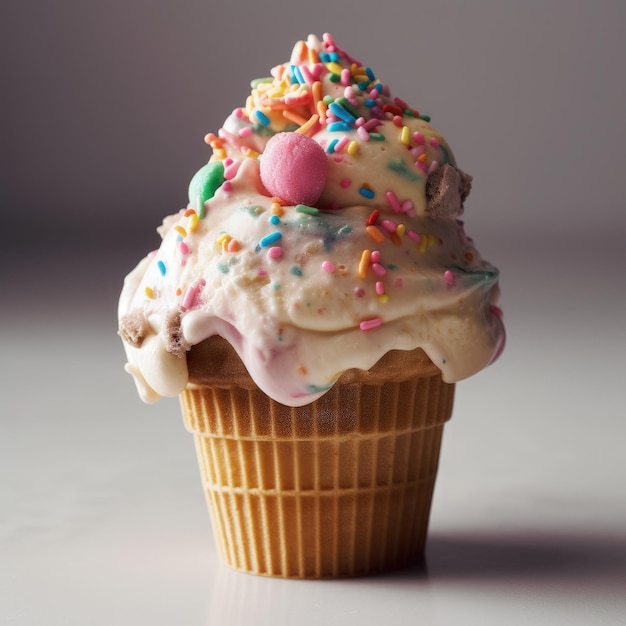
(134, 328)
(447, 189)
(173, 333)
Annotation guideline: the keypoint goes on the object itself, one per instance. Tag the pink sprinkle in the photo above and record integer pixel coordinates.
(418, 138)
(238, 112)
(411, 234)
(345, 183)
(378, 269)
(275, 252)
(348, 92)
(227, 186)
(448, 276)
(380, 288)
(183, 247)
(374, 93)
(401, 103)
(434, 142)
(433, 166)
(371, 124)
(189, 297)
(389, 226)
(262, 272)
(394, 203)
(342, 143)
(361, 131)
(327, 266)
(375, 256)
(230, 169)
(375, 322)
(245, 132)
(417, 151)
(359, 121)
(359, 292)
(308, 76)
(407, 205)
(345, 76)
(421, 166)
(397, 121)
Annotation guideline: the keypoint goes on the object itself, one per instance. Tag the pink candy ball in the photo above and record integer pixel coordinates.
(294, 168)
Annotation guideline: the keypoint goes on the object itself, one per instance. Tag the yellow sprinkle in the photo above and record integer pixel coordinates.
(364, 263)
(384, 297)
(375, 233)
(353, 148)
(180, 230)
(335, 68)
(149, 292)
(423, 244)
(401, 230)
(404, 135)
(193, 222)
(224, 237)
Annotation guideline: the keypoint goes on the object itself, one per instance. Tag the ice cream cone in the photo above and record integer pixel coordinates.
(340, 487)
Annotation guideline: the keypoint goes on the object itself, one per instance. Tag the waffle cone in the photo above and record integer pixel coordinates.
(339, 487)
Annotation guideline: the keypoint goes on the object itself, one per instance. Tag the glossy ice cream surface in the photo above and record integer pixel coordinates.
(344, 244)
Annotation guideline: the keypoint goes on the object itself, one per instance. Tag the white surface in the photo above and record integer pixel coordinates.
(102, 518)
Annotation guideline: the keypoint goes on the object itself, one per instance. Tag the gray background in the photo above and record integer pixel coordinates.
(103, 109)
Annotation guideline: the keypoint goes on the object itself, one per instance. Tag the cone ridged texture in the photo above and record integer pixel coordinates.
(340, 487)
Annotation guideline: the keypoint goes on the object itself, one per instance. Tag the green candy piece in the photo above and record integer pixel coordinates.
(204, 184)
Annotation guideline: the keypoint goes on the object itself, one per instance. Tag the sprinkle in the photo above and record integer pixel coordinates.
(233, 245)
(433, 166)
(404, 135)
(275, 220)
(383, 298)
(297, 119)
(434, 142)
(261, 117)
(373, 216)
(397, 121)
(161, 267)
(275, 252)
(378, 269)
(189, 212)
(223, 239)
(277, 209)
(341, 112)
(418, 138)
(389, 226)
(296, 271)
(297, 75)
(375, 322)
(414, 236)
(189, 297)
(362, 133)
(335, 68)
(377, 136)
(394, 203)
(336, 127)
(380, 288)
(395, 240)
(375, 256)
(180, 230)
(246, 131)
(327, 266)
(375, 233)
(448, 276)
(345, 182)
(268, 240)
(194, 220)
(401, 230)
(331, 146)
(364, 262)
(183, 247)
(359, 292)
(366, 191)
(309, 210)
(345, 76)
(342, 143)
(149, 292)
(353, 148)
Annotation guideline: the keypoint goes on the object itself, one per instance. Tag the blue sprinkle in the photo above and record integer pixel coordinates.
(296, 271)
(331, 146)
(275, 220)
(370, 103)
(334, 56)
(324, 57)
(341, 113)
(368, 71)
(262, 117)
(161, 267)
(335, 127)
(268, 240)
(366, 193)
(297, 74)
